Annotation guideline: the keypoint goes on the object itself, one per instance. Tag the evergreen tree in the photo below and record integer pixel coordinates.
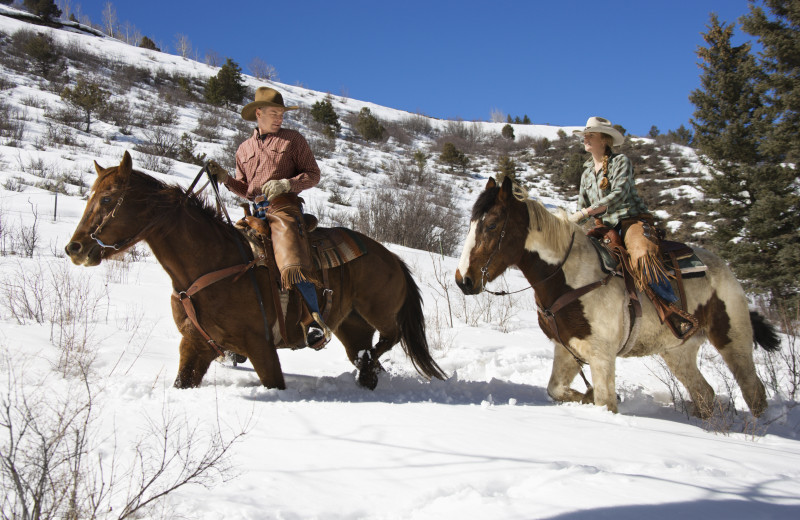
(526, 120)
(680, 136)
(323, 112)
(654, 132)
(47, 9)
(778, 32)
(46, 55)
(227, 87)
(453, 156)
(86, 96)
(147, 43)
(508, 132)
(369, 126)
(506, 167)
(751, 193)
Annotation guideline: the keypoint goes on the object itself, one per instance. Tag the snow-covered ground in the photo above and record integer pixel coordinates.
(486, 444)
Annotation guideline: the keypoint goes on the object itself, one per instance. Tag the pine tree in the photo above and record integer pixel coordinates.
(453, 156)
(227, 87)
(86, 96)
(47, 9)
(147, 43)
(779, 35)
(751, 193)
(506, 167)
(508, 132)
(369, 126)
(323, 112)
(46, 55)
(680, 136)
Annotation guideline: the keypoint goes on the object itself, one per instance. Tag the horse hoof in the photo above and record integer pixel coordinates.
(367, 370)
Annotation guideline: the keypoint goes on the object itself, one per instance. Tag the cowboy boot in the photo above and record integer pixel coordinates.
(317, 334)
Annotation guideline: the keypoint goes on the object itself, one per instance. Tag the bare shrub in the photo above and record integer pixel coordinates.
(674, 387)
(15, 183)
(416, 218)
(160, 142)
(73, 306)
(67, 115)
(780, 370)
(28, 237)
(160, 115)
(58, 135)
(12, 124)
(209, 125)
(48, 443)
(322, 147)
(155, 163)
(418, 124)
(24, 294)
(120, 113)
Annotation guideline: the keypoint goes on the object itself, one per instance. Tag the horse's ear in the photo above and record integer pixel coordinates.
(98, 168)
(490, 184)
(126, 165)
(507, 189)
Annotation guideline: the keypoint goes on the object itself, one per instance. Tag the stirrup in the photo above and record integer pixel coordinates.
(317, 336)
(682, 324)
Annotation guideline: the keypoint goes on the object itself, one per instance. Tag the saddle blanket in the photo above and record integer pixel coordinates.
(332, 247)
(688, 263)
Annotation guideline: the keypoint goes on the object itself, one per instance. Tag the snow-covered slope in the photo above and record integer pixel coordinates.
(486, 443)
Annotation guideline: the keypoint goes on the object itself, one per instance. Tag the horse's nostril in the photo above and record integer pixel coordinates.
(467, 282)
(73, 247)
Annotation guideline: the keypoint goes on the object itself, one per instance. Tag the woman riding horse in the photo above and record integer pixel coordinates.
(608, 193)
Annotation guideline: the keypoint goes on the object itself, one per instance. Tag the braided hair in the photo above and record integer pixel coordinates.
(604, 180)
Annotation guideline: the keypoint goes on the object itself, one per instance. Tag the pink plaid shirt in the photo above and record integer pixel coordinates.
(283, 155)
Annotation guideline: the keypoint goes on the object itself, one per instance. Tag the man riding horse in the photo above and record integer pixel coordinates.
(272, 167)
(608, 193)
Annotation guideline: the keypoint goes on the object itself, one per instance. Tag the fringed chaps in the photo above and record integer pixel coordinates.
(641, 241)
(290, 241)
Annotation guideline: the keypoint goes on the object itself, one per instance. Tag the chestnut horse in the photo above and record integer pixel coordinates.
(372, 292)
(509, 229)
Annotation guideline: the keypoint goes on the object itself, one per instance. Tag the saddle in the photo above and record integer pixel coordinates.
(679, 262)
(329, 247)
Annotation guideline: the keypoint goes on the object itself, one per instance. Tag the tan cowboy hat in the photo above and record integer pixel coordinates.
(265, 97)
(601, 126)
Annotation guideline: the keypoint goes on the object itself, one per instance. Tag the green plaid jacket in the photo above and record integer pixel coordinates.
(621, 197)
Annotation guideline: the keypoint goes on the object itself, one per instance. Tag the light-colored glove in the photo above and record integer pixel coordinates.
(217, 172)
(272, 189)
(579, 215)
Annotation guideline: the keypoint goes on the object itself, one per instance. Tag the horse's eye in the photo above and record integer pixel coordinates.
(105, 200)
(491, 227)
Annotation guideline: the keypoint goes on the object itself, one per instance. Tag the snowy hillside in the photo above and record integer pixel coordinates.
(487, 443)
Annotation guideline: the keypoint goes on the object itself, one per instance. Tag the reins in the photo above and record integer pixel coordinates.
(185, 297)
(485, 268)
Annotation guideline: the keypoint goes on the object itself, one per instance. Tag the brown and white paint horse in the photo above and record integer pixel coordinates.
(508, 229)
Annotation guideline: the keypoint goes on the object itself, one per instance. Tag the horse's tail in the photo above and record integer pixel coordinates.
(412, 330)
(764, 333)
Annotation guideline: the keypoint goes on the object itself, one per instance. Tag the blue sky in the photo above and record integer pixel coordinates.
(559, 61)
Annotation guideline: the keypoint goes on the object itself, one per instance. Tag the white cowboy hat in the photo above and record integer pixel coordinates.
(602, 126)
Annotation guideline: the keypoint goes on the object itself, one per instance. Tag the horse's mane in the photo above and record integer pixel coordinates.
(172, 204)
(553, 230)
